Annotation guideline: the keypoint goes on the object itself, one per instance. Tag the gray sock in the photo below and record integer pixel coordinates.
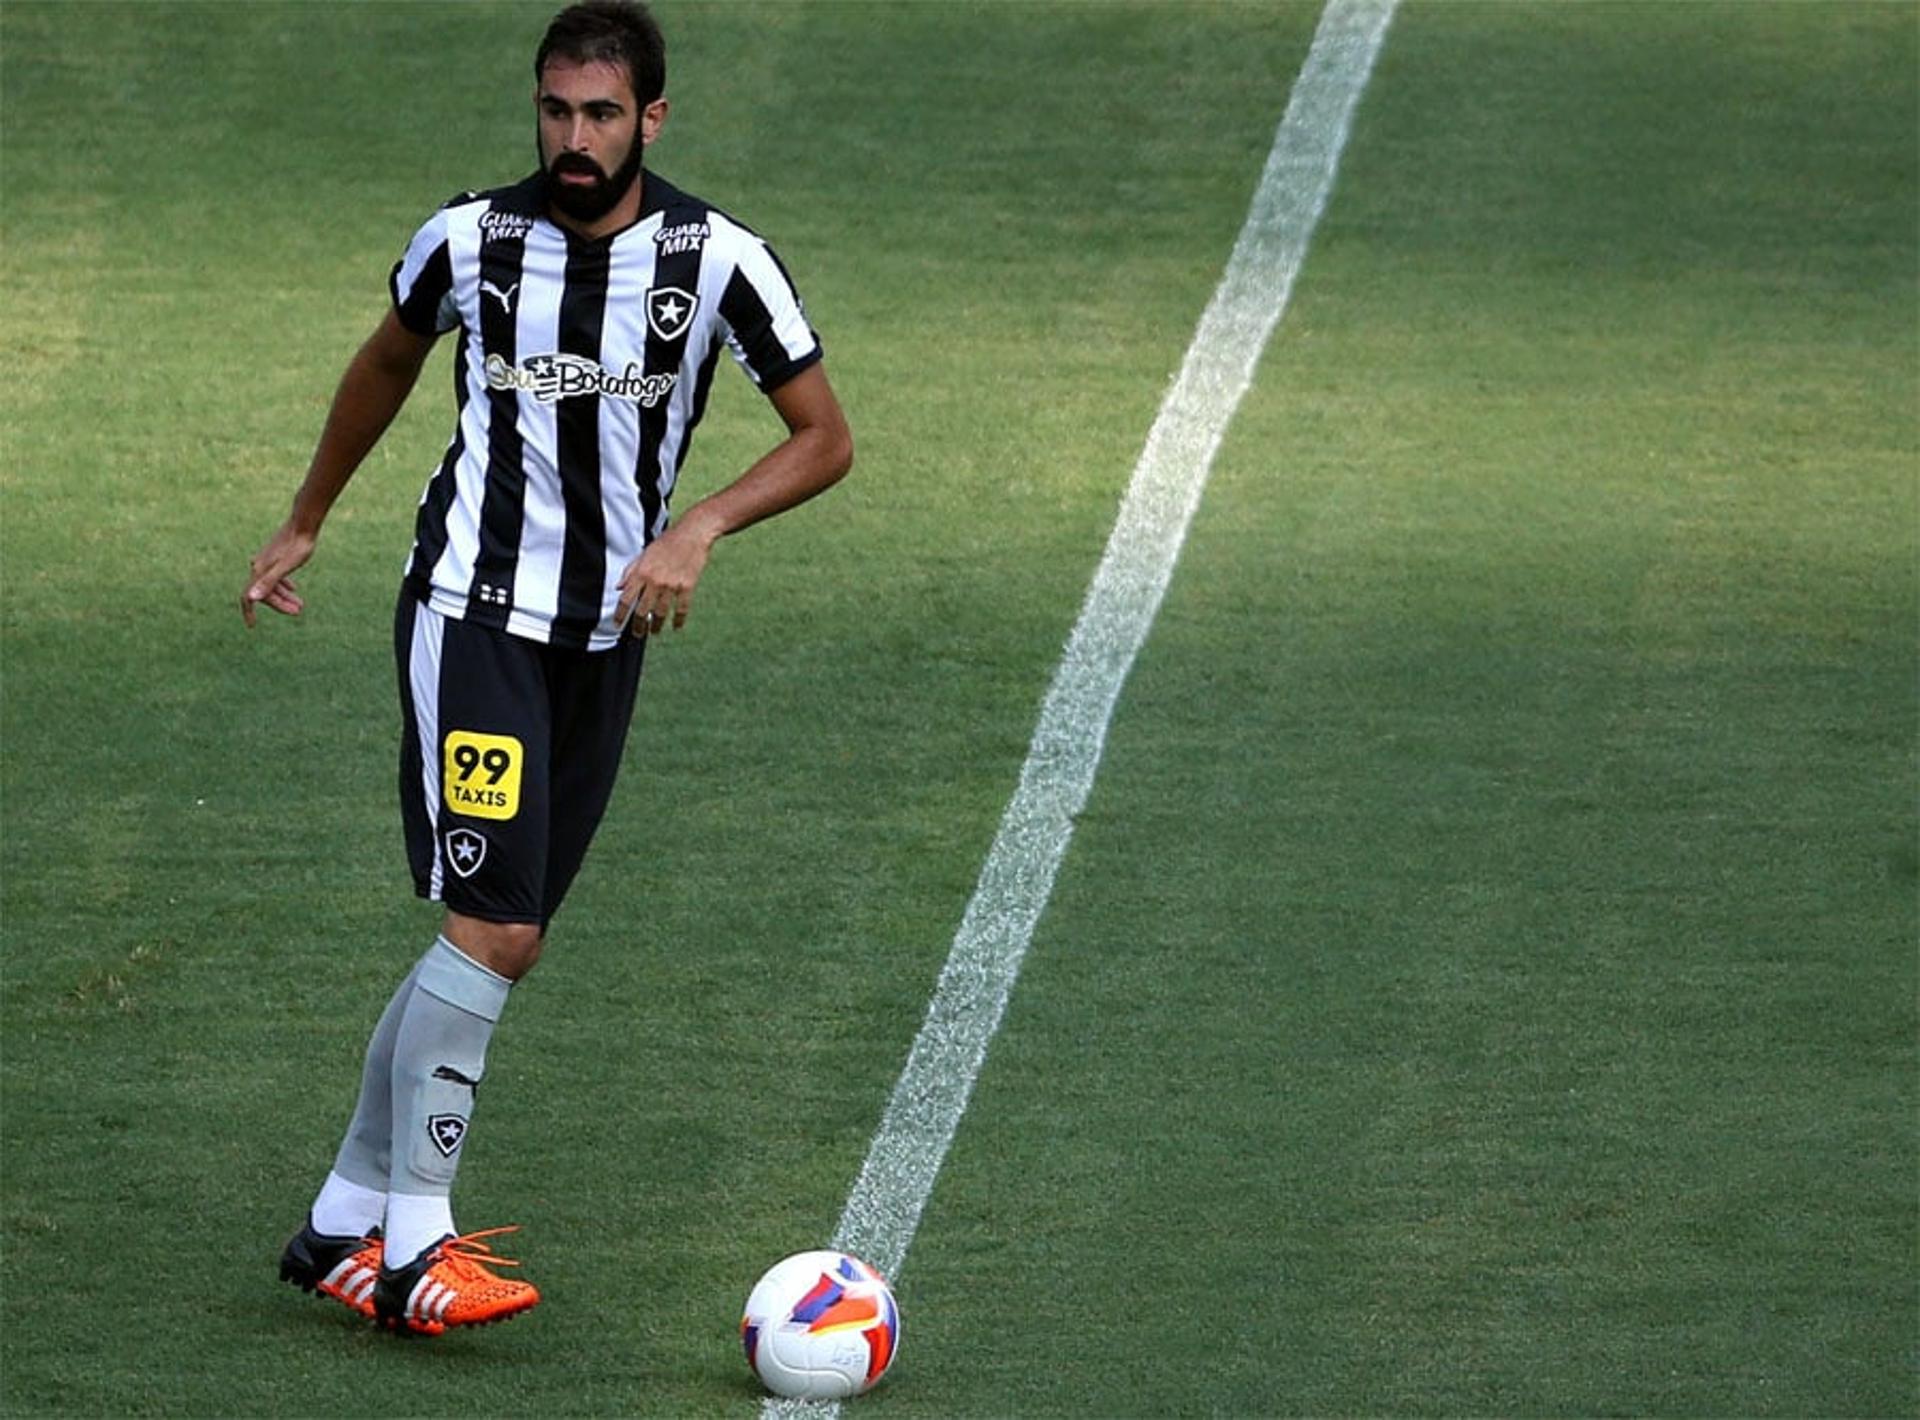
(439, 1056)
(366, 1154)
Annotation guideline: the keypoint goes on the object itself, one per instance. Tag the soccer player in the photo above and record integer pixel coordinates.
(589, 304)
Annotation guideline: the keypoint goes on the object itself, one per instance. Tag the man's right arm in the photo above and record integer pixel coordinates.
(377, 382)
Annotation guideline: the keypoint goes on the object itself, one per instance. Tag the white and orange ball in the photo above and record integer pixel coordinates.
(820, 1326)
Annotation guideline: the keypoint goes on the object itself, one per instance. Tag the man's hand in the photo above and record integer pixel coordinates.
(272, 569)
(375, 385)
(656, 590)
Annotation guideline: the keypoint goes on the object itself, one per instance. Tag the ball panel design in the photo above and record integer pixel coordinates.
(820, 1325)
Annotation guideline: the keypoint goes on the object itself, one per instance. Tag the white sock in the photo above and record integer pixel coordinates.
(345, 1209)
(415, 1222)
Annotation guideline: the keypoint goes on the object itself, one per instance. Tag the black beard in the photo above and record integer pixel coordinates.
(590, 204)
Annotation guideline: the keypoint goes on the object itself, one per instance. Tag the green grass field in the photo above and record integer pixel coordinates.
(1484, 979)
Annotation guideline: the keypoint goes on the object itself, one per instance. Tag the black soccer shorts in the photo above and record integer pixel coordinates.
(508, 753)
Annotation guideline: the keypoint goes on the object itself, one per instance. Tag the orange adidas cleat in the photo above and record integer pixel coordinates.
(344, 1268)
(450, 1285)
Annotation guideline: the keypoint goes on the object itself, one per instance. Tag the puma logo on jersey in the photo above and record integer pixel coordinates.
(505, 297)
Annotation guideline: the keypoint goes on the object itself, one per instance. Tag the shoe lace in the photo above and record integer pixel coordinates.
(468, 1258)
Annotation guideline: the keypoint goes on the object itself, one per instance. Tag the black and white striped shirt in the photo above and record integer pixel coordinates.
(581, 370)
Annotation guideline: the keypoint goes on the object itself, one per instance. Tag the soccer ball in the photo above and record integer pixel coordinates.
(820, 1326)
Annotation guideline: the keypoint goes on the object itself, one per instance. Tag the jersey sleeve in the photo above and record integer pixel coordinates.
(422, 282)
(767, 329)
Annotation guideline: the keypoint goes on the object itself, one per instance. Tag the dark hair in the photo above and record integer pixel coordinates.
(609, 32)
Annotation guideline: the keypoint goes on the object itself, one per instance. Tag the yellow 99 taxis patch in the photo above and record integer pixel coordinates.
(482, 774)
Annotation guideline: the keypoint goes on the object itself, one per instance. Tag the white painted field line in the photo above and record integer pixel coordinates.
(884, 1208)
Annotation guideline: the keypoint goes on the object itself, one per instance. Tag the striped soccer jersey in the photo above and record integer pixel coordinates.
(580, 372)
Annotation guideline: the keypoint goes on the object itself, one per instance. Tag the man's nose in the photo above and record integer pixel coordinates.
(577, 135)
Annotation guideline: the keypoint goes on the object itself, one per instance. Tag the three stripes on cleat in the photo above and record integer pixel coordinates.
(352, 1281)
(450, 1284)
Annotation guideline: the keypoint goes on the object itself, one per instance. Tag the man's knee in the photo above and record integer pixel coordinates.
(508, 948)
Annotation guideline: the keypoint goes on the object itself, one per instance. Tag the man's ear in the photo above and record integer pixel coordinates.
(653, 118)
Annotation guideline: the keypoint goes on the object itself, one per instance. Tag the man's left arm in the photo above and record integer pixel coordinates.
(657, 588)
